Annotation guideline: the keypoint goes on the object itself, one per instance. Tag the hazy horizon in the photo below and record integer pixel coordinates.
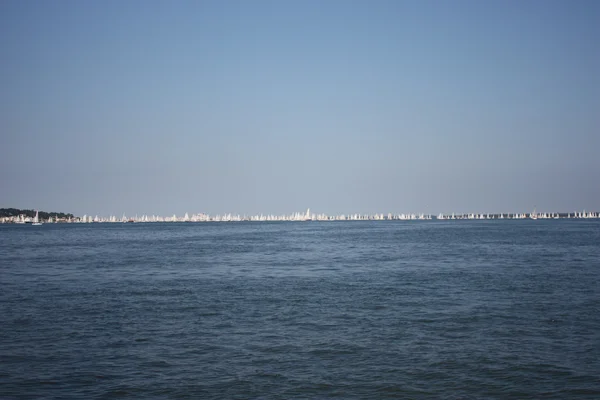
(275, 107)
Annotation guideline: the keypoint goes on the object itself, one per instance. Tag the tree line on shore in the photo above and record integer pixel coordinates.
(15, 212)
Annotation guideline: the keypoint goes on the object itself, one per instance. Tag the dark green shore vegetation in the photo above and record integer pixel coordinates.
(15, 212)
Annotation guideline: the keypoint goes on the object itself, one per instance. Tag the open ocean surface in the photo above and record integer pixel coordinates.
(348, 310)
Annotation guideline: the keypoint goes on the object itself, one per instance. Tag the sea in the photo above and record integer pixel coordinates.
(491, 309)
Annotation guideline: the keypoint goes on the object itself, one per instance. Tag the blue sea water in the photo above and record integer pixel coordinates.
(431, 309)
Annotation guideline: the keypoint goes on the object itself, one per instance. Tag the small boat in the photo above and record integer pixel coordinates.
(36, 219)
(533, 215)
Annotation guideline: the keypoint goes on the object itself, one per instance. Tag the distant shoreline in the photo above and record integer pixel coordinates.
(18, 216)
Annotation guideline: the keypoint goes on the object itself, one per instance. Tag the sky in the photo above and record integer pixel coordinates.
(167, 107)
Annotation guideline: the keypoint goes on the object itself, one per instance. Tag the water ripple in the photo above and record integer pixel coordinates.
(462, 310)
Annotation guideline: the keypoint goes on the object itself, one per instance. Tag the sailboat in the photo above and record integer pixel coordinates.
(36, 219)
(533, 215)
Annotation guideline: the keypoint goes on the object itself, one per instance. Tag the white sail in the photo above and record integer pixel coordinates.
(36, 219)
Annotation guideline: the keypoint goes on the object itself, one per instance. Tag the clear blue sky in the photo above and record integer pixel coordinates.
(111, 107)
